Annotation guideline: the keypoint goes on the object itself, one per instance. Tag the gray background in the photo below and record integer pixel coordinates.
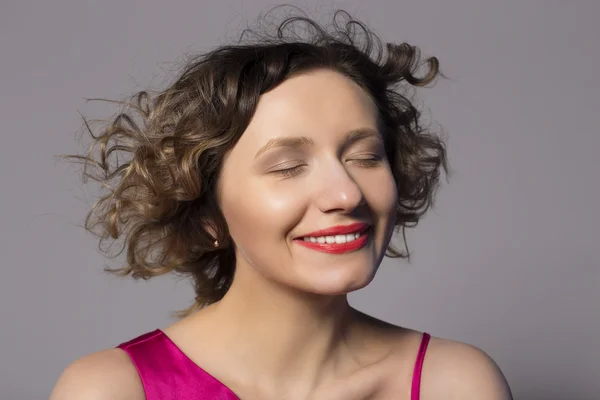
(508, 260)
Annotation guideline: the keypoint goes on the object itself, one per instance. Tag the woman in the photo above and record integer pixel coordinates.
(274, 172)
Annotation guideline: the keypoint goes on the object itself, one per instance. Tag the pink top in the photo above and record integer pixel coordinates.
(168, 374)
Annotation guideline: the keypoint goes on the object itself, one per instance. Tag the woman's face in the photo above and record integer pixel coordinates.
(311, 159)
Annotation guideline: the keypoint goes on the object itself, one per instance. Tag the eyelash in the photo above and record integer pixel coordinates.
(363, 162)
(289, 172)
(368, 162)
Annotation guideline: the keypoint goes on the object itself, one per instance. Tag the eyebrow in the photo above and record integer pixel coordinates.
(296, 142)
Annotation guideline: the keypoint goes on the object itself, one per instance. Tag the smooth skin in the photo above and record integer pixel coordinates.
(285, 329)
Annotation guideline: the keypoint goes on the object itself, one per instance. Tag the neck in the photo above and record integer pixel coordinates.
(282, 337)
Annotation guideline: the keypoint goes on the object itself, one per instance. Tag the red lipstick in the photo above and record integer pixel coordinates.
(359, 228)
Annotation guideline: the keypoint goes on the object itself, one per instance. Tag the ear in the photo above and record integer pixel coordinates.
(216, 227)
(210, 227)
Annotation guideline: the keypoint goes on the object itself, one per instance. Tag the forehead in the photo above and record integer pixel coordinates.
(318, 104)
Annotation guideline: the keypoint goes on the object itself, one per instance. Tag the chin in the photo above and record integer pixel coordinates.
(338, 283)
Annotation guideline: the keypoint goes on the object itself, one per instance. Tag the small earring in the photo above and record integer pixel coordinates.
(216, 243)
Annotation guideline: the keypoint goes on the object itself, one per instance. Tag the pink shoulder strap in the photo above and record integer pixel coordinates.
(168, 374)
(416, 382)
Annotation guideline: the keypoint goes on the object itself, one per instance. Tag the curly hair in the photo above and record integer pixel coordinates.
(159, 159)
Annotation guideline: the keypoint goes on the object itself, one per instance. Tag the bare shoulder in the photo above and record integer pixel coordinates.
(455, 370)
(451, 370)
(107, 374)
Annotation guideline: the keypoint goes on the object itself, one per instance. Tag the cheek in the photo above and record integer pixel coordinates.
(257, 215)
(382, 194)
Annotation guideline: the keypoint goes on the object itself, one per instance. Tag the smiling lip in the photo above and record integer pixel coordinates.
(338, 248)
(357, 227)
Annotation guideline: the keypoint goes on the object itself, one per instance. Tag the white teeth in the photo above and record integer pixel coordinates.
(332, 239)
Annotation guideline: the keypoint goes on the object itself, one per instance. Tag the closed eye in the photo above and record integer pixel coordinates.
(289, 172)
(367, 161)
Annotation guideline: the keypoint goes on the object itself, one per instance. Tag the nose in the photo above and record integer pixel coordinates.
(338, 192)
